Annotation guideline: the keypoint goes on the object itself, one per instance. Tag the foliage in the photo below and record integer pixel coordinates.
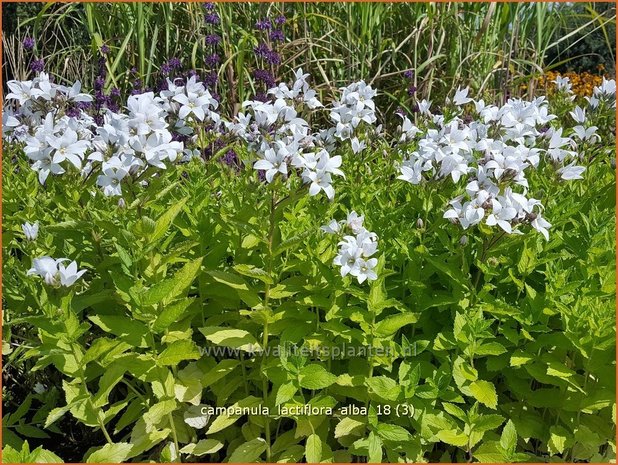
(290, 272)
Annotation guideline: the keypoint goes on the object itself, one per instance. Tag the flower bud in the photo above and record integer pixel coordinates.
(122, 203)
(463, 240)
(420, 224)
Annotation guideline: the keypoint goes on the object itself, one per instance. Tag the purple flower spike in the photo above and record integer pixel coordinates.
(212, 18)
(213, 60)
(28, 43)
(37, 66)
(409, 74)
(104, 49)
(213, 39)
(277, 35)
(263, 25)
(279, 20)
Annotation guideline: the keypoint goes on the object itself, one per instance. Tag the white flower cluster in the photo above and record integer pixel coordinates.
(493, 152)
(51, 137)
(57, 133)
(54, 272)
(355, 105)
(355, 249)
(284, 141)
(190, 100)
(606, 92)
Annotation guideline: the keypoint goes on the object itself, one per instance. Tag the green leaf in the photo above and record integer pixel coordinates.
(202, 447)
(131, 331)
(559, 370)
(40, 455)
(111, 453)
(559, 438)
(394, 433)
(246, 294)
(374, 448)
(229, 279)
(178, 351)
(166, 291)
(253, 272)
(349, 426)
(520, 358)
(490, 348)
(490, 452)
(285, 393)
(249, 451)
(488, 422)
(485, 393)
(315, 376)
(231, 337)
(453, 437)
(55, 414)
(508, 439)
(224, 420)
(159, 410)
(313, 449)
(384, 387)
(124, 256)
(171, 314)
(391, 324)
(163, 223)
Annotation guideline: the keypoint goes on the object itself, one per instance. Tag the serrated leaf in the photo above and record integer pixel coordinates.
(393, 433)
(452, 437)
(249, 451)
(285, 393)
(313, 449)
(391, 324)
(178, 351)
(374, 448)
(485, 393)
(171, 314)
(202, 447)
(558, 439)
(253, 272)
(508, 438)
(384, 387)
(231, 337)
(111, 453)
(167, 290)
(164, 221)
(349, 426)
(315, 376)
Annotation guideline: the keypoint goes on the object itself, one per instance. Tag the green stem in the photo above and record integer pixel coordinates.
(271, 232)
(174, 435)
(105, 433)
